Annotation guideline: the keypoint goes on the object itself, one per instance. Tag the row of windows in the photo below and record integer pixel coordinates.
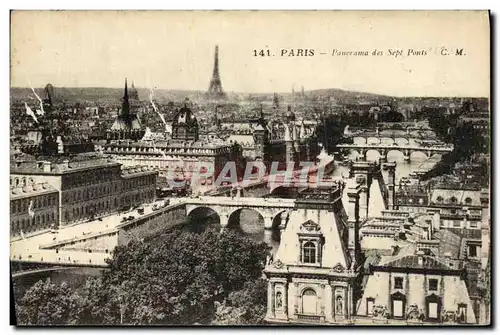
(453, 200)
(93, 177)
(432, 283)
(38, 221)
(22, 205)
(420, 201)
(457, 224)
(138, 197)
(134, 183)
(89, 193)
(21, 182)
(85, 211)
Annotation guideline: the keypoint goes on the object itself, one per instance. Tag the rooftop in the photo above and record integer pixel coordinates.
(26, 164)
(30, 190)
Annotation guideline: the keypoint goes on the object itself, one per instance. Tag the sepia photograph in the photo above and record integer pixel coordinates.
(250, 168)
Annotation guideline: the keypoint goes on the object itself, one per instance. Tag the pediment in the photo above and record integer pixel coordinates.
(338, 268)
(310, 226)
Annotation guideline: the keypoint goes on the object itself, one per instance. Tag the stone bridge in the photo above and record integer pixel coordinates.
(271, 209)
(23, 273)
(406, 150)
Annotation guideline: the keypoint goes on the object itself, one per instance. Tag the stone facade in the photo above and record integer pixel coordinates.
(33, 207)
(429, 285)
(312, 277)
(88, 186)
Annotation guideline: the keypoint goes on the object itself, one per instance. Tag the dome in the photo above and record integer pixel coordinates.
(185, 116)
(185, 125)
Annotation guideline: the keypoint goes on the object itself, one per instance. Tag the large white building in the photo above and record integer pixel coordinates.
(410, 283)
(312, 276)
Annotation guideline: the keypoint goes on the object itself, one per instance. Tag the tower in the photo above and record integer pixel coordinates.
(126, 106)
(215, 88)
(276, 101)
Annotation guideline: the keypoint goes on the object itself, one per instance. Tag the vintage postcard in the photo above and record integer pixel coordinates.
(250, 168)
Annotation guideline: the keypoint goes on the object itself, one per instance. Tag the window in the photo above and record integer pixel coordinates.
(309, 302)
(370, 302)
(309, 253)
(453, 200)
(433, 284)
(468, 201)
(472, 251)
(398, 283)
(439, 199)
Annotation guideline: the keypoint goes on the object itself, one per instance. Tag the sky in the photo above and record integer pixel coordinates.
(174, 50)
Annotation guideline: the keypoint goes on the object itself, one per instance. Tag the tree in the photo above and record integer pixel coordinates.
(46, 303)
(178, 279)
(246, 306)
(175, 279)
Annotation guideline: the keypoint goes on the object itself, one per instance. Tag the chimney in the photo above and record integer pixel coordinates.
(420, 255)
(429, 229)
(46, 166)
(353, 223)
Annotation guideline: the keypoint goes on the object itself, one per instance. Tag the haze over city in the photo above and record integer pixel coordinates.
(174, 50)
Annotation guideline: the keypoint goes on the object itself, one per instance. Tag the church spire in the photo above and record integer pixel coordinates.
(125, 104)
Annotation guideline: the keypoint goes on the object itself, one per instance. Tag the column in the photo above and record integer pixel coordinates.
(406, 154)
(282, 226)
(353, 222)
(224, 221)
(362, 154)
(268, 222)
(238, 192)
(268, 237)
(363, 202)
(270, 300)
(383, 155)
(285, 299)
(391, 169)
(349, 303)
(297, 299)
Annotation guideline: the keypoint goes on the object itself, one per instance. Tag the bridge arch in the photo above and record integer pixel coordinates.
(402, 141)
(195, 214)
(386, 140)
(373, 140)
(373, 154)
(255, 222)
(395, 154)
(277, 219)
(419, 155)
(359, 140)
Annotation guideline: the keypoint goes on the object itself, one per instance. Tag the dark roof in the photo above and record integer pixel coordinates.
(451, 240)
(411, 262)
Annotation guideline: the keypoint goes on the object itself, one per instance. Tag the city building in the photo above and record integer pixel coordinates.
(417, 287)
(178, 157)
(127, 124)
(88, 185)
(34, 207)
(312, 276)
(453, 206)
(282, 141)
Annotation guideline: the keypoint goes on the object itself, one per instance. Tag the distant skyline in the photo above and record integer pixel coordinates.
(175, 50)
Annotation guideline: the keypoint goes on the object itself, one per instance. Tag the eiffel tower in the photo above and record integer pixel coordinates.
(215, 89)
